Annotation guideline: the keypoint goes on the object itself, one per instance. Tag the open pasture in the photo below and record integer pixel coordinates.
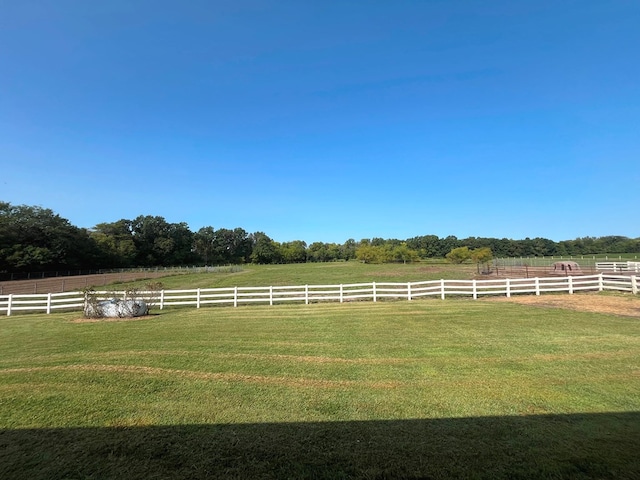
(429, 389)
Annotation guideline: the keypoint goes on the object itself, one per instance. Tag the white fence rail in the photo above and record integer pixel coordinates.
(375, 291)
(618, 267)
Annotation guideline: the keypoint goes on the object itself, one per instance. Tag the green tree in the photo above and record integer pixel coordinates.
(402, 253)
(481, 256)
(374, 253)
(458, 255)
(265, 250)
(35, 238)
(367, 253)
(294, 252)
(115, 242)
(161, 243)
(203, 244)
(348, 250)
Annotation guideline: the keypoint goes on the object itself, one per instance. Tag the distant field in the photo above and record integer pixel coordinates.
(428, 389)
(330, 273)
(249, 275)
(297, 274)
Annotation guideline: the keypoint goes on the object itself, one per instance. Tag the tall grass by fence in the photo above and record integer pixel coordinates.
(375, 291)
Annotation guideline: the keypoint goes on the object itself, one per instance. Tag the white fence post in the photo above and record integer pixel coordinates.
(630, 282)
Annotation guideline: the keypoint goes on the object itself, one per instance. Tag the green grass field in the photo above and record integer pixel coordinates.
(331, 273)
(423, 390)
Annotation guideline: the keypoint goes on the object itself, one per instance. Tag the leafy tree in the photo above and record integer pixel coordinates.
(35, 238)
(323, 252)
(374, 253)
(427, 246)
(265, 250)
(233, 246)
(402, 253)
(481, 256)
(203, 244)
(115, 242)
(458, 255)
(161, 243)
(348, 250)
(294, 252)
(367, 253)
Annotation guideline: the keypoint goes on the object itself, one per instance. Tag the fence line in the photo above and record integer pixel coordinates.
(375, 291)
(619, 266)
(548, 260)
(15, 276)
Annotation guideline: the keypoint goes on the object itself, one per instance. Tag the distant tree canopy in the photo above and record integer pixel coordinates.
(37, 239)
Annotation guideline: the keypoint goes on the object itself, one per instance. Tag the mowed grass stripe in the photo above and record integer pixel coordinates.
(425, 389)
(456, 347)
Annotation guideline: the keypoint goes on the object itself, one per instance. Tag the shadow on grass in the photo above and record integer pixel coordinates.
(545, 446)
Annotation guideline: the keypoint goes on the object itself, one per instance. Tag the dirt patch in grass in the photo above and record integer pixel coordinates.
(626, 305)
(73, 283)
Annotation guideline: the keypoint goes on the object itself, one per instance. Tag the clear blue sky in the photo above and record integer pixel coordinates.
(326, 120)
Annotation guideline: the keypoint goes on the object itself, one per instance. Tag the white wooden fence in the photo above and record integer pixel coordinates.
(374, 291)
(618, 266)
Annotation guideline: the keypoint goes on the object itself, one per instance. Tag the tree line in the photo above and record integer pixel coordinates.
(33, 238)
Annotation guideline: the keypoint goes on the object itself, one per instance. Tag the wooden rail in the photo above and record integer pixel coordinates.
(374, 291)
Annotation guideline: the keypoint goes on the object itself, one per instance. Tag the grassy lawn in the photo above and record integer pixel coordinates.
(331, 273)
(424, 389)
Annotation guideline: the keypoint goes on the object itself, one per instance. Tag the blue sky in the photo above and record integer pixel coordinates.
(326, 120)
